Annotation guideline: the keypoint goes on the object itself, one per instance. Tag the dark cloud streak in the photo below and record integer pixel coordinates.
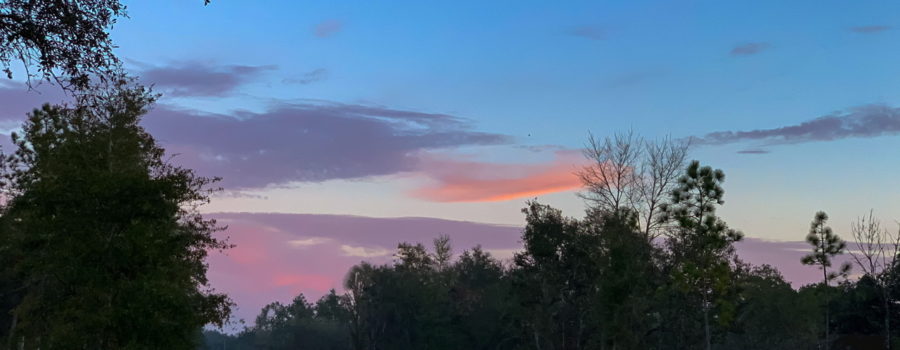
(753, 151)
(303, 141)
(749, 49)
(860, 122)
(198, 79)
(328, 28)
(307, 142)
(307, 78)
(870, 29)
(587, 32)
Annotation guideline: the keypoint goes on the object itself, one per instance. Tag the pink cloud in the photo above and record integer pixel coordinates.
(786, 257)
(317, 283)
(473, 181)
(278, 256)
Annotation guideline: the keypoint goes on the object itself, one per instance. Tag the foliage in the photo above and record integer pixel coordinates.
(109, 247)
(700, 247)
(62, 41)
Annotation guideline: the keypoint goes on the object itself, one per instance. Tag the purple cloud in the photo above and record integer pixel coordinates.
(17, 100)
(201, 79)
(310, 77)
(749, 49)
(786, 257)
(587, 32)
(753, 151)
(328, 28)
(307, 141)
(860, 122)
(278, 256)
(312, 141)
(870, 29)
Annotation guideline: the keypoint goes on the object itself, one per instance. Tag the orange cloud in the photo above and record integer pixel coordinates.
(472, 181)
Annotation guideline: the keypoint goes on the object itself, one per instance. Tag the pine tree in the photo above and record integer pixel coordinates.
(826, 245)
(701, 246)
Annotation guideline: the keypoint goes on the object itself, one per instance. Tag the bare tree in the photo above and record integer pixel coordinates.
(628, 172)
(876, 251)
(443, 252)
(611, 180)
(663, 164)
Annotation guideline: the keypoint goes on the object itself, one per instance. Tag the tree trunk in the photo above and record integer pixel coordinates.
(887, 320)
(827, 309)
(706, 327)
(12, 331)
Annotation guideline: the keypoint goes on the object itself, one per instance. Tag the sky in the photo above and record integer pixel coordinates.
(343, 127)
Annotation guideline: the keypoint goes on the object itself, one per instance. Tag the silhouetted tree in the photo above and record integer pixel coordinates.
(629, 172)
(553, 279)
(825, 245)
(701, 246)
(63, 41)
(771, 314)
(876, 253)
(627, 280)
(111, 246)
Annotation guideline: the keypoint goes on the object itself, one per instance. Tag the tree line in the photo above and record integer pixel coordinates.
(650, 266)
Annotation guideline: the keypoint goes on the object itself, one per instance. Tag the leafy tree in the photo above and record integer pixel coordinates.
(701, 246)
(405, 305)
(771, 314)
(825, 246)
(552, 284)
(627, 280)
(112, 247)
(63, 41)
(856, 308)
(481, 303)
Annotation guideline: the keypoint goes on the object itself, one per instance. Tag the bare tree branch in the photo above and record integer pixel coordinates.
(629, 173)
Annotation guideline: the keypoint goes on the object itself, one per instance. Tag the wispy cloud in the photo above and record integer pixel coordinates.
(310, 77)
(870, 29)
(859, 122)
(301, 141)
(17, 100)
(753, 151)
(327, 28)
(458, 180)
(364, 252)
(313, 141)
(202, 79)
(307, 242)
(749, 49)
(587, 32)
